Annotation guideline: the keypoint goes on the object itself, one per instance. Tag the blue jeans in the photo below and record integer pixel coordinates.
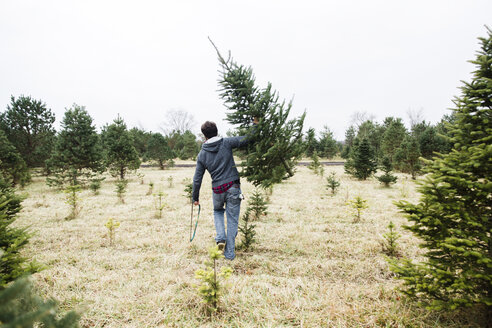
(232, 200)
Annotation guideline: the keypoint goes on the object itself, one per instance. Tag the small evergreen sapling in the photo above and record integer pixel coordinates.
(112, 225)
(159, 204)
(72, 199)
(210, 288)
(315, 165)
(151, 188)
(387, 178)
(121, 185)
(247, 229)
(257, 205)
(188, 190)
(95, 185)
(359, 205)
(332, 183)
(389, 244)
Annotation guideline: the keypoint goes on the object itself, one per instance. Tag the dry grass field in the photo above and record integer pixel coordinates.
(311, 266)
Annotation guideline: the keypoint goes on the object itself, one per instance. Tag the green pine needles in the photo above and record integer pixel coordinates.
(276, 143)
(210, 288)
(12, 239)
(453, 216)
(21, 307)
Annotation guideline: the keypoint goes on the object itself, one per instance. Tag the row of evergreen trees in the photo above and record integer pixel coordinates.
(28, 139)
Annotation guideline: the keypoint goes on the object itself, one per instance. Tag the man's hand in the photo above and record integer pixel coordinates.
(255, 120)
(196, 203)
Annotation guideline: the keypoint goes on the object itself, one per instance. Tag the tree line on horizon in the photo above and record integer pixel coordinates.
(28, 139)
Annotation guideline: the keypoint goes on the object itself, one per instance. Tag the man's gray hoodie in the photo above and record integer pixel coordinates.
(216, 157)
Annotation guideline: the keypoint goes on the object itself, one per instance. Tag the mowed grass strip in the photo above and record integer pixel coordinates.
(312, 266)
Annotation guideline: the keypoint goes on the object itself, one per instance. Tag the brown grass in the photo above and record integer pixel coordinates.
(311, 267)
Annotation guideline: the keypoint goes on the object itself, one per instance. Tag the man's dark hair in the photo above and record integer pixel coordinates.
(209, 129)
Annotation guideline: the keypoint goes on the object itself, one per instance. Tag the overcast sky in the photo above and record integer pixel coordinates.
(334, 58)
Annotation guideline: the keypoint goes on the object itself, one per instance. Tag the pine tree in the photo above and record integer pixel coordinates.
(257, 205)
(28, 125)
(407, 156)
(12, 239)
(393, 136)
(21, 307)
(453, 216)
(311, 142)
(349, 140)
(78, 154)
(248, 231)
(387, 178)
(158, 150)
(315, 165)
(327, 145)
(12, 166)
(362, 161)
(276, 143)
(120, 154)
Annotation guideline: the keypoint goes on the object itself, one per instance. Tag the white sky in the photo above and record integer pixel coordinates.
(141, 58)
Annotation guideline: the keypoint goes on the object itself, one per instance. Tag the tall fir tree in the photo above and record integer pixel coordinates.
(12, 166)
(276, 143)
(393, 136)
(119, 153)
(453, 216)
(78, 153)
(28, 124)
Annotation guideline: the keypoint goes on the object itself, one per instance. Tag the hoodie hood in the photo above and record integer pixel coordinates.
(212, 144)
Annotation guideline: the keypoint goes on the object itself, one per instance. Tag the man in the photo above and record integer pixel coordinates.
(216, 157)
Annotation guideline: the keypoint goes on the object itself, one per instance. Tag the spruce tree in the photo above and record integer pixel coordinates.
(158, 150)
(78, 154)
(407, 156)
(257, 205)
(120, 154)
(393, 136)
(247, 229)
(21, 307)
(12, 239)
(453, 216)
(276, 143)
(387, 178)
(315, 165)
(362, 163)
(12, 166)
(327, 145)
(311, 142)
(28, 125)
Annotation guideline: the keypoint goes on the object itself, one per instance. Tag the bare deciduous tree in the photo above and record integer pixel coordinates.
(359, 117)
(415, 116)
(178, 120)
